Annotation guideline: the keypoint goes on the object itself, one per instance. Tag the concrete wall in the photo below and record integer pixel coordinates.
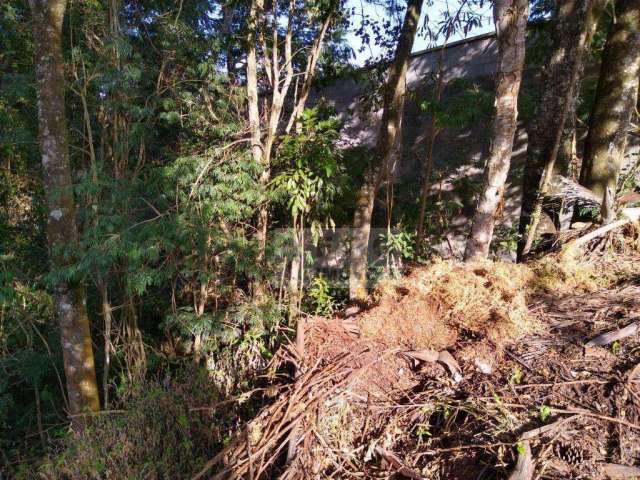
(459, 153)
(469, 59)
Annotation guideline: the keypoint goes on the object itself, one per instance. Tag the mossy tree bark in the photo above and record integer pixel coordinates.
(570, 31)
(616, 98)
(394, 95)
(69, 296)
(510, 17)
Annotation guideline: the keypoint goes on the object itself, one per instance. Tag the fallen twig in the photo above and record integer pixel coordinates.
(547, 428)
(525, 466)
(589, 413)
(630, 215)
(617, 471)
(393, 460)
(561, 384)
(613, 335)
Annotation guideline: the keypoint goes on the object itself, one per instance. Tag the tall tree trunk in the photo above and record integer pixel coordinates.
(389, 130)
(567, 149)
(252, 84)
(257, 147)
(107, 318)
(616, 98)
(510, 17)
(226, 39)
(569, 39)
(431, 133)
(69, 296)
(567, 153)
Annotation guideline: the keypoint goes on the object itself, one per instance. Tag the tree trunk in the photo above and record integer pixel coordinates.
(427, 167)
(510, 17)
(107, 318)
(431, 133)
(567, 154)
(226, 39)
(69, 296)
(389, 130)
(252, 84)
(309, 73)
(257, 147)
(570, 39)
(616, 98)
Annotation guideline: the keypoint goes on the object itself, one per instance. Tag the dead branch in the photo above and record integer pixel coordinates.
(613, 335)
(431, 356)
(616, 471)
(630, 215)
(547, 428)
(393, 460)
(525, 466)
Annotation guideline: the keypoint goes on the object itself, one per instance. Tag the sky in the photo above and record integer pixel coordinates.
(435, 14)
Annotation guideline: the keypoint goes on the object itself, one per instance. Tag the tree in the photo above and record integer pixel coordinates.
(510, 17)
(616, 98)
(566, 163)
(394, 95)
(570, 32)
(279, 67)
(69, 295)
(432, 130)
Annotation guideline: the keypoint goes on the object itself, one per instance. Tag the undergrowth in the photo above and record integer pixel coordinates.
(612, 259)
(162, 428)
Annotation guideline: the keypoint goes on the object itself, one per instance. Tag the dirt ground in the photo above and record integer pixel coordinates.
(459, 372)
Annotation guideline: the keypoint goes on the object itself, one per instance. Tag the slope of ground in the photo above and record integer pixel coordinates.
(458, 372)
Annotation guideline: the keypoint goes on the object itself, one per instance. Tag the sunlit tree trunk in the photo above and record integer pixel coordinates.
(257, 147)
(394, 95)
(510, 17)
(567, 153)
(571, 28)
(69, 296)
(107, 318)
(616, 98)
(310, 70)
(278, 62)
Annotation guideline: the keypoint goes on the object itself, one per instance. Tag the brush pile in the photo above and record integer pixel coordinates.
(456, 372)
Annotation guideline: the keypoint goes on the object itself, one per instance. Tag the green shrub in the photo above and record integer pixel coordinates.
(158, 432)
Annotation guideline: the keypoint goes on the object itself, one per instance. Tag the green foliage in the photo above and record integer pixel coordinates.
(311, 173)
(505, 239)
(248, 325)
(320, 297)
(155, 436)
(466, 102)
(616, 348)
(589, 213)
(544, 412)
(400, 243)
(516, 376)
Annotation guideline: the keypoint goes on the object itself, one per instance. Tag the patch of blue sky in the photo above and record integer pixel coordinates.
(435, 11)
